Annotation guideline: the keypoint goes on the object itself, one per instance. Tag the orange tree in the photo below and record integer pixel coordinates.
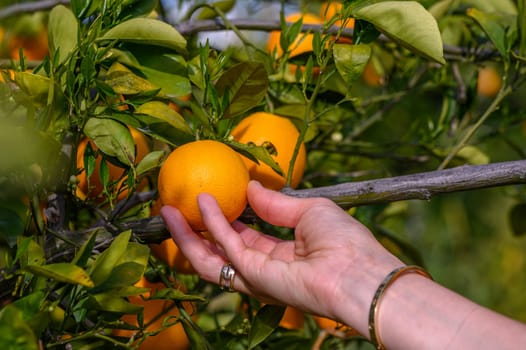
(71, 266)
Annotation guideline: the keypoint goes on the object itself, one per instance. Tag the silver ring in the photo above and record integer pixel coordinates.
(226, 277)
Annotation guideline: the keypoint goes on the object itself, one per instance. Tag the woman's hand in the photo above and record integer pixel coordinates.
(332, 268)
(332, 257)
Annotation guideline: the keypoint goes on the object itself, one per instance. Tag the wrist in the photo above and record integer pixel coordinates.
(358, 290)
(391, 278)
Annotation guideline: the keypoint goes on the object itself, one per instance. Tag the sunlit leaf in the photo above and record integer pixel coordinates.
(165, 113)
(492, 24)
(150, 162)
(29, 252)
(129, 268)
(112, 138)
(147, 31)
(266, 321)
(34, 85)
(63, 29)
(350, 60)
(473, 155)
(123, 81)
(62, 272)
(107, 260)
(172, 85)
(207, 13)
(407, 23)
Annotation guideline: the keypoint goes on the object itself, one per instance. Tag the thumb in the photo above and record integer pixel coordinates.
(275, 207)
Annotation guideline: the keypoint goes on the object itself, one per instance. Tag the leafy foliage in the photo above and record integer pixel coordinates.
(402, 98)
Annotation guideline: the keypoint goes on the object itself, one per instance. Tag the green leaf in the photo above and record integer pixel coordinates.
(165, 113)
(195, 335)
(350, 60)
(473, 155)
(162, 131)
(29, 252)
(440, 8)
(296, 113)
(107, 260)
(62, 272)
(245, 84)
(82, 256)
(208, 13)
(112, 138)
(147, 31)
(172, 85)
(123, 81)
(150, 162)
(490, 6)
(138, 8)
(85, 8)
(16, 333)
(492, 25)
(266, 321)
(407, 23)
(11, 226)
(35, 86)
(176, 294)
(289, 34)
(516, 217)
(63, 32)
(110, 302)
(256, 154)
(128, 269)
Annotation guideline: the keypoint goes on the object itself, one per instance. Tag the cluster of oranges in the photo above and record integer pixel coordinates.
(213, 167)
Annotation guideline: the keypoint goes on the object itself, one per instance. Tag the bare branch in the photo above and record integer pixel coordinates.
(416, 186)
(420, 186)
(29, 7)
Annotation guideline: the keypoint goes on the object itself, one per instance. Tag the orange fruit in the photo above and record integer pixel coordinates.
(371, 77)
(331, 326)
(292, 318)
(489, 82)
(115, 172)
(171, 338)
(204, 166)
(35, 47)
(169, 253)
(280, 134)
(175, 106)
(332, 9)
(302, 43)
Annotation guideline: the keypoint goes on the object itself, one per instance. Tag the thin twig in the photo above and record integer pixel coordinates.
(29, 7)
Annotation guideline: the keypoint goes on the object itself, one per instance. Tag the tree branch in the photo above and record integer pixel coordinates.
(416, 186)
(420, 186)
(29, 7)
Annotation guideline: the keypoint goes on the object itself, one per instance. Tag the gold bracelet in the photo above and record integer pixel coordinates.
(388, 280)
